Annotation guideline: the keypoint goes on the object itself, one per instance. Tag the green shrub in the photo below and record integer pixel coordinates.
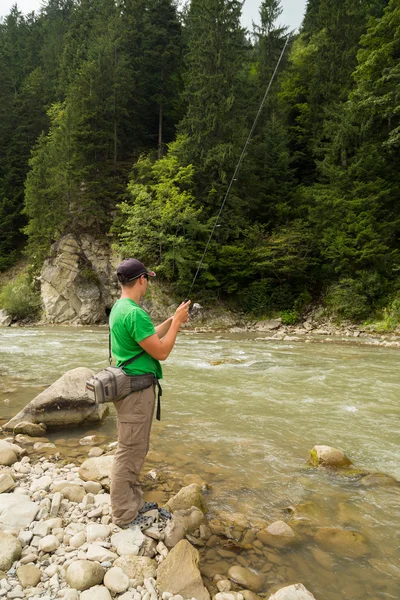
(20, 299)
(256, 298)
(355, 299)
(390, 317)
(289, 317)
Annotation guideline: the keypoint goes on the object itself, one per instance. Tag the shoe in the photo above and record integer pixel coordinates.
(148, 506)
(164, 513)
(140, 521)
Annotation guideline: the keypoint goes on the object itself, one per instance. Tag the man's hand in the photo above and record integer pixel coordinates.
(182, 313)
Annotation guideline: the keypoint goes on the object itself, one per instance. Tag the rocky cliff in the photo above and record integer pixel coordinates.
(78, 281)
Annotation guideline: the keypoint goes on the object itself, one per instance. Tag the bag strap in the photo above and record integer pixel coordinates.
(131, 360)
(126, 362)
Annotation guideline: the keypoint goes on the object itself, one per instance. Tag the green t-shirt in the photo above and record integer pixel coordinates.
(130, 324)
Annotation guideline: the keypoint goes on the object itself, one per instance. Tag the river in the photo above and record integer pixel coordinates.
(242, 413)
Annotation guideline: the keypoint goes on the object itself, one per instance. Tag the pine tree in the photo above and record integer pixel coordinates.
(215, 122)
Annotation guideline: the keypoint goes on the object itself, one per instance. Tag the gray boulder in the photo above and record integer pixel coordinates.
(65, 402)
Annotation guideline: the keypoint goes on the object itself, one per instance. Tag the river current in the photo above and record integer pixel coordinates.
(242, 413)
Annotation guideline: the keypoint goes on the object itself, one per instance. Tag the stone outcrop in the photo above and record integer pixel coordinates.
(78, 281)
(179, 573)
(65, 402)
(326, 456)
(5, 318)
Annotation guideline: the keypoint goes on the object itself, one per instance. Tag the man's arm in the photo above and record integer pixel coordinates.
(161, 348)
(162, 329)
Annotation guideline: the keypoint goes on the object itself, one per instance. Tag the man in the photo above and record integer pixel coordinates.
(134, 335)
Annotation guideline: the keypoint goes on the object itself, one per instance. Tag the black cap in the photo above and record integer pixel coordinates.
(131, 269)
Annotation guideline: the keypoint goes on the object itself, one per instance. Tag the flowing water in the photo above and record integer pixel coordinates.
(242, 414)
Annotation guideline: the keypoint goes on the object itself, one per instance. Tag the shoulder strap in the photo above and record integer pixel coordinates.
(125, 363)
(131, 360)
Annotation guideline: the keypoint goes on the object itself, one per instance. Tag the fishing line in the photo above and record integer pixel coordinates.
(239, 163)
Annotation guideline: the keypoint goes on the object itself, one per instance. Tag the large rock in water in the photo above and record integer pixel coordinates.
(179, 573)
(65, 402)
(78, 281)
(326, 456)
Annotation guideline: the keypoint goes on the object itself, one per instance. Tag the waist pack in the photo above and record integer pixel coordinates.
(113, 384)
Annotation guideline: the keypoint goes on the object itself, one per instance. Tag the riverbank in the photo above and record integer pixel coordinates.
(57, 539)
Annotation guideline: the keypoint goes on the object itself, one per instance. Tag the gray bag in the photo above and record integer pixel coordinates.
(112, 384)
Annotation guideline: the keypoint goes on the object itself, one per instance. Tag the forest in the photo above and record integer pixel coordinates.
(125, 119)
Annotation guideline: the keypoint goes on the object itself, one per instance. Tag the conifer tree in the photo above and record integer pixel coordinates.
(214, 126)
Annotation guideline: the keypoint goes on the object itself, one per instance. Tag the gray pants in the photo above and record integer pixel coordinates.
(134, 419)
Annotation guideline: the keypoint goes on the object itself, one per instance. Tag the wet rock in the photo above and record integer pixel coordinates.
(29, 575)
(65, 402)
(246, 578)
(179, 573)
(7, 483)
(31, 429)
(191, 519)
(292, 592)
(186, 498)
(277, 535)
(326, 456)
(137, 567)
(16, 511)
(323, 558)
(378, 479)
(10, 550)
(97, 469)
(97, 592)
(116, 580)
(342, 541)
(231, 525)
(83, 574)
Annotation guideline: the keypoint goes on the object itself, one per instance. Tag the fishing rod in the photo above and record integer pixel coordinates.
(239, 164)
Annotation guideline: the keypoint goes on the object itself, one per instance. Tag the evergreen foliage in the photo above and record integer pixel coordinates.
(127, 119)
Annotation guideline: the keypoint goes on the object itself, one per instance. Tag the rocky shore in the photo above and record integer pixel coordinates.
(57, 540)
